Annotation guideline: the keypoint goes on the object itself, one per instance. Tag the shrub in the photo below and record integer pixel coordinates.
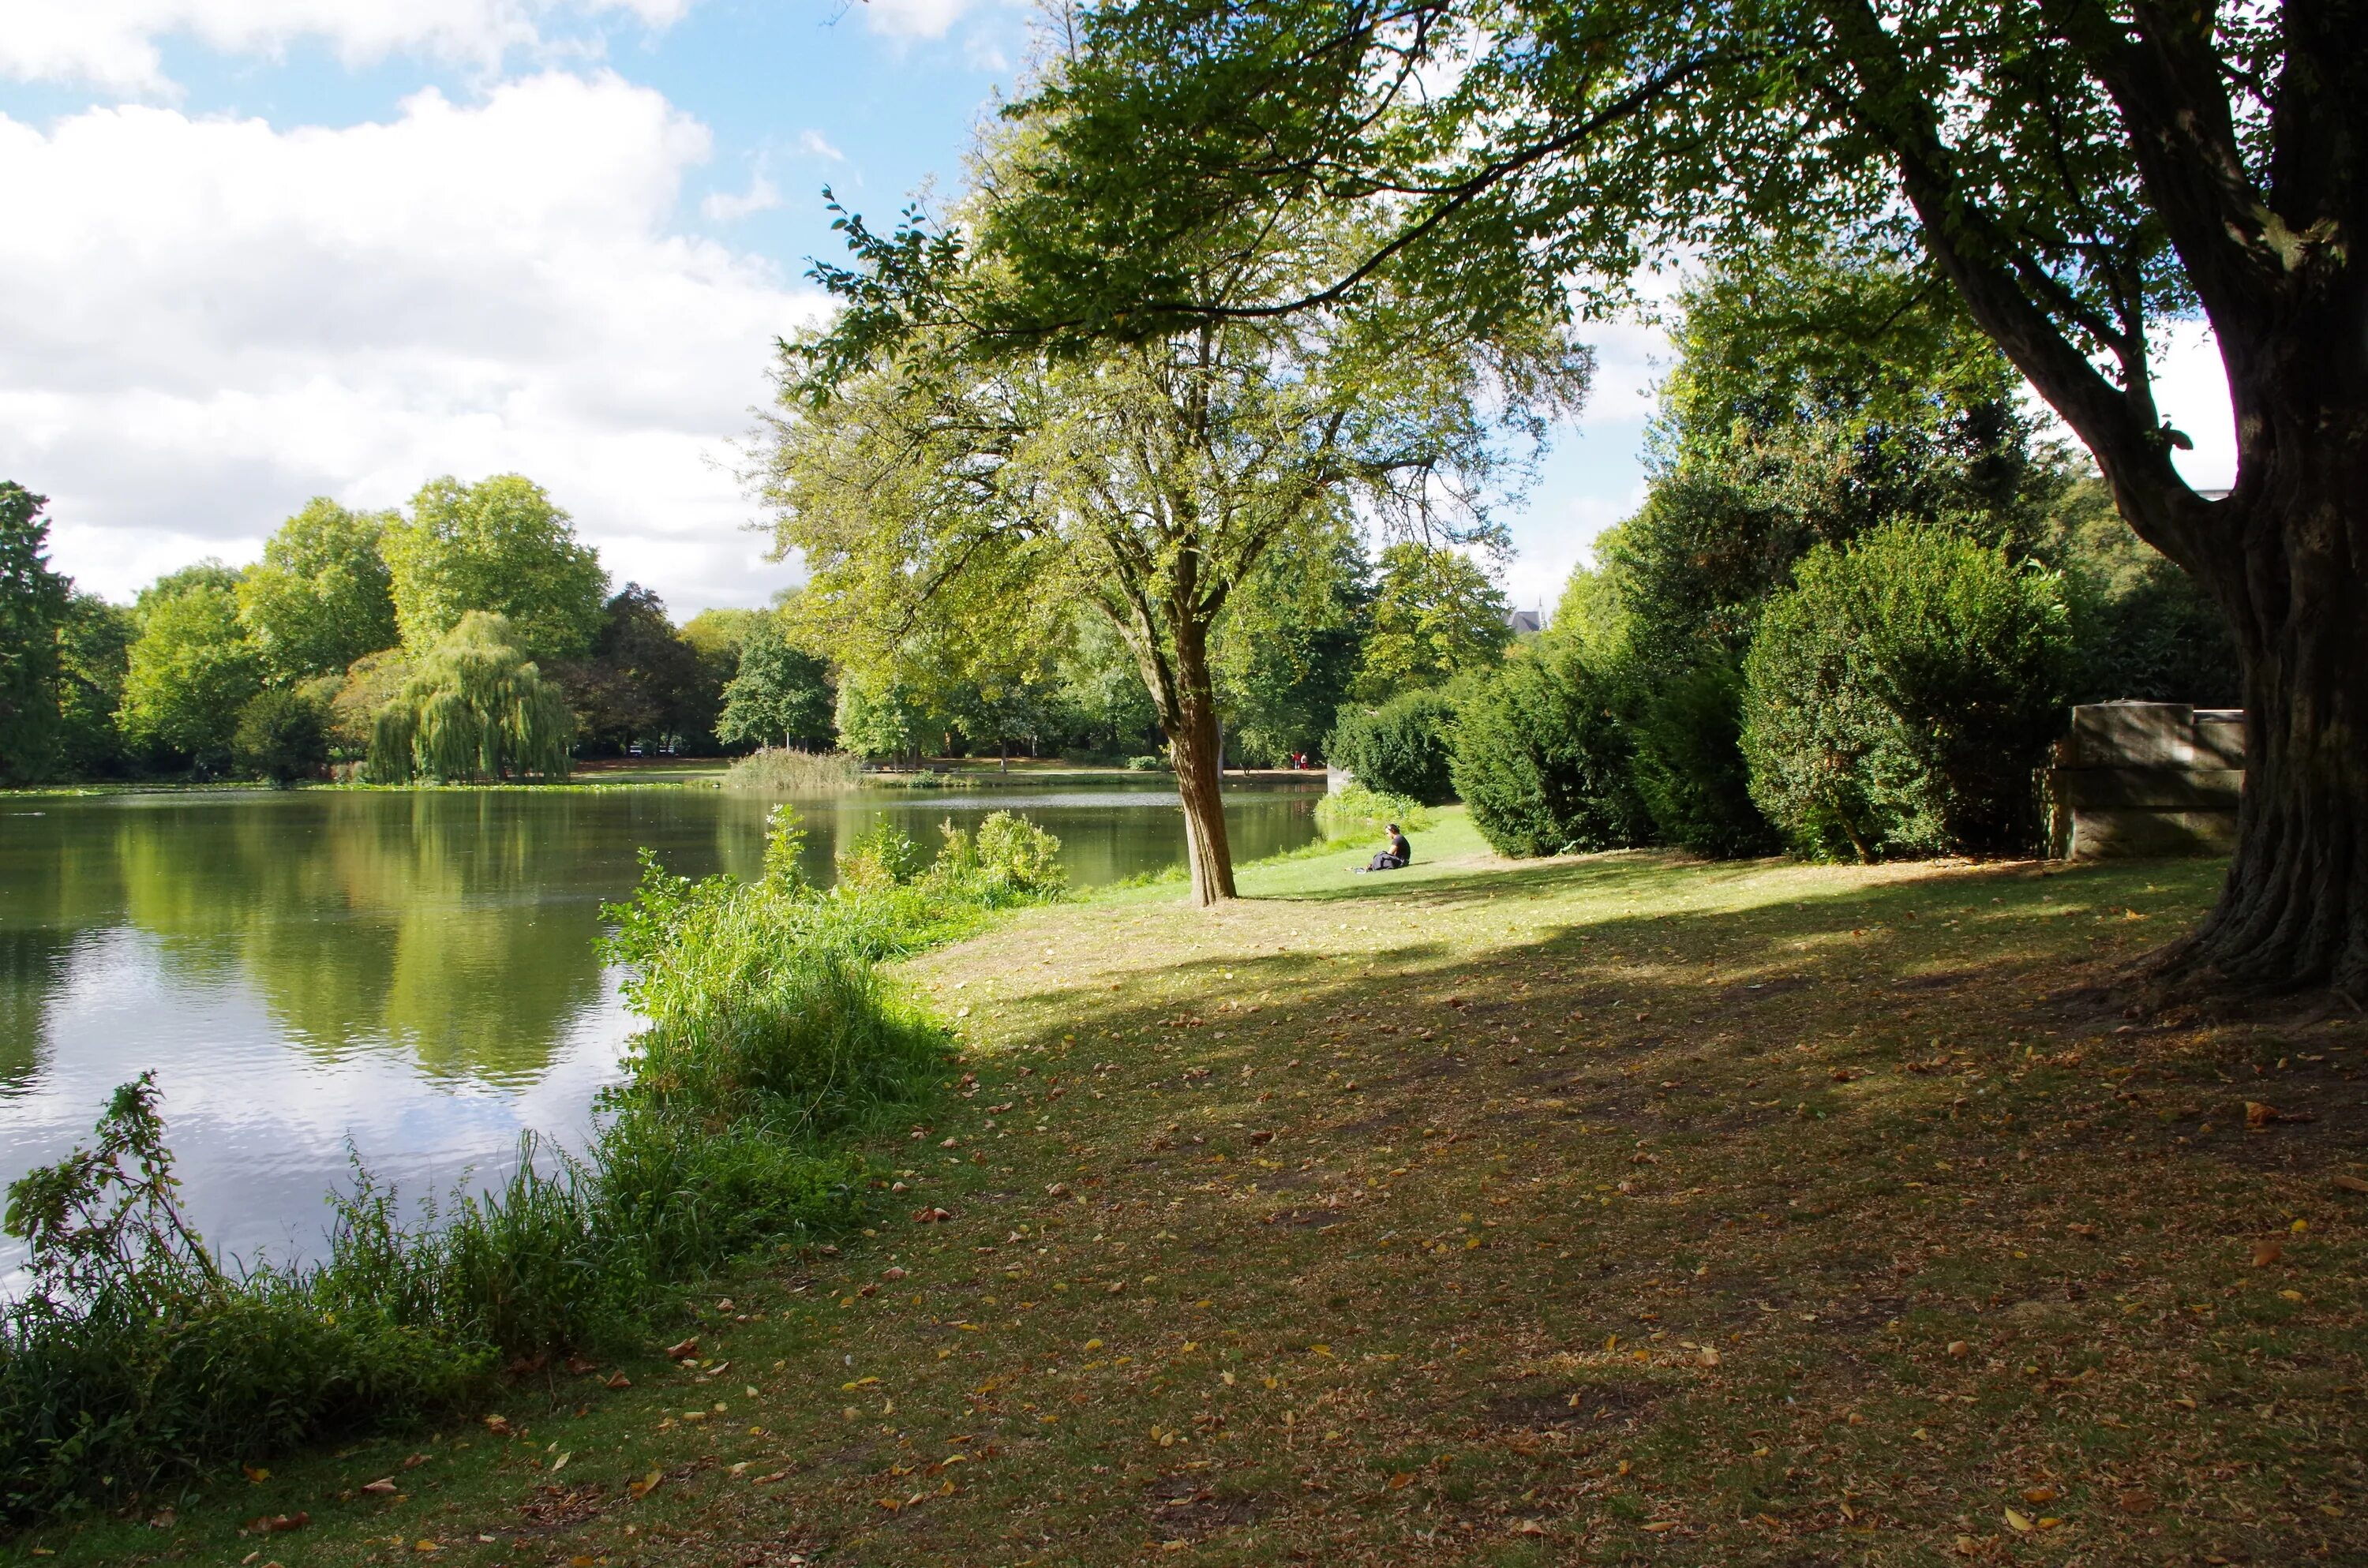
(1017, 854)
(1146, 764)
(1400, 749)
(283, 735)
(777, 770)
(1543, 763)
(1689, 771)
(1357, 810)
(1899, 696)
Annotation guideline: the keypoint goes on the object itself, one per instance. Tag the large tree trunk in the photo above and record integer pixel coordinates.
(2293, 914)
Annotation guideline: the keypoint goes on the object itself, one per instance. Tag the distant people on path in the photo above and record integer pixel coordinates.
(1396, 858)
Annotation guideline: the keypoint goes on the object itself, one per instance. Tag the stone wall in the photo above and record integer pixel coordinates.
(2137, 778)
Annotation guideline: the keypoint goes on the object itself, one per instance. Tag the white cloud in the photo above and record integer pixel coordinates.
(814, 144)
(724, 207)
(203, 321)
(114, 43)
(913, 18)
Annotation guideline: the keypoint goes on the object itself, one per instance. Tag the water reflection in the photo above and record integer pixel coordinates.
(415, 971)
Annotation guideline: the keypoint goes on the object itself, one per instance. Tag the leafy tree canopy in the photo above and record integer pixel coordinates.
(1144, 482)
(779, 695)
(321, 596)
(191, 671)
(94, 657)
(640, 681)
(1437, 615)
(498, 546)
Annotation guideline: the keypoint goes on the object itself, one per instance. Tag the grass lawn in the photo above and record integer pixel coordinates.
(1598, 1210)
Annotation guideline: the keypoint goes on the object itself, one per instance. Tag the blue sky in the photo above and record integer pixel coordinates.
(266, 249)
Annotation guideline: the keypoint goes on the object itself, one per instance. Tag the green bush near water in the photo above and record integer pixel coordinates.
(1400, 749)
(1358, 812)
(134, 1361)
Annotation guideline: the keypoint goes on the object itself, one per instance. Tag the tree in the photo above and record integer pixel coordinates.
(476, 707)
(879, 717)
(1293, 643)
(282, 736)
(190, 672)
(321, 596)
(1144, 482)
(369, 683)
(501, 547)
(2076, 172)
(778, 690)
(1543, 763)
(1407, 746)
(1437, 614)
(94, 658)
(640, 681)
(32, 609)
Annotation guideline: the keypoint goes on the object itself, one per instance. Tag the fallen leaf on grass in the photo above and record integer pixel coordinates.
(619, 1382)
(1402, 1479)
(2018, 1521)
(276, 1524)
(684, 1351)
(1531, 1526)
(2038, 1495)
(646, 1484)
(379, 1488)
(2136, 1502)
(2348, 1184)
(2267, 1253)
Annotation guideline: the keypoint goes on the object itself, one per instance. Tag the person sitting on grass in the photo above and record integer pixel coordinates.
(1397, 857)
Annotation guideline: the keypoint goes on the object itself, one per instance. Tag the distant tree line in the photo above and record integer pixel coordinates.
(473, 635)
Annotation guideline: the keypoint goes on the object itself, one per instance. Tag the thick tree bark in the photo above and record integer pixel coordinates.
(2287, 554)
(2293, 913)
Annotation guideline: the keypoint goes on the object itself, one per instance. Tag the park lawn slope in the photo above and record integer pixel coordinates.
(1594, 1210)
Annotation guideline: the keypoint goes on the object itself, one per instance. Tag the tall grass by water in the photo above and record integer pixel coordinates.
(135, 1362)
(781, 770)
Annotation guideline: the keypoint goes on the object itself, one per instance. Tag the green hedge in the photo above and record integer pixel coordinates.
(1543, 763)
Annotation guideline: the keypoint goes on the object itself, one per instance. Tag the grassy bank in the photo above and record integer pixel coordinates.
(1601, 1209)
(135, 1364)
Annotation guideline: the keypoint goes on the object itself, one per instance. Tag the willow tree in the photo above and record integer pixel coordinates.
(2077, 173)
(931, 488)
(474, 708)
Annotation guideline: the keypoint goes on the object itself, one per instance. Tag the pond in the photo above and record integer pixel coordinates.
(414, 973)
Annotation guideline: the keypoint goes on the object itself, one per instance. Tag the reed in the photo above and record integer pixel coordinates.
(780, 770)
